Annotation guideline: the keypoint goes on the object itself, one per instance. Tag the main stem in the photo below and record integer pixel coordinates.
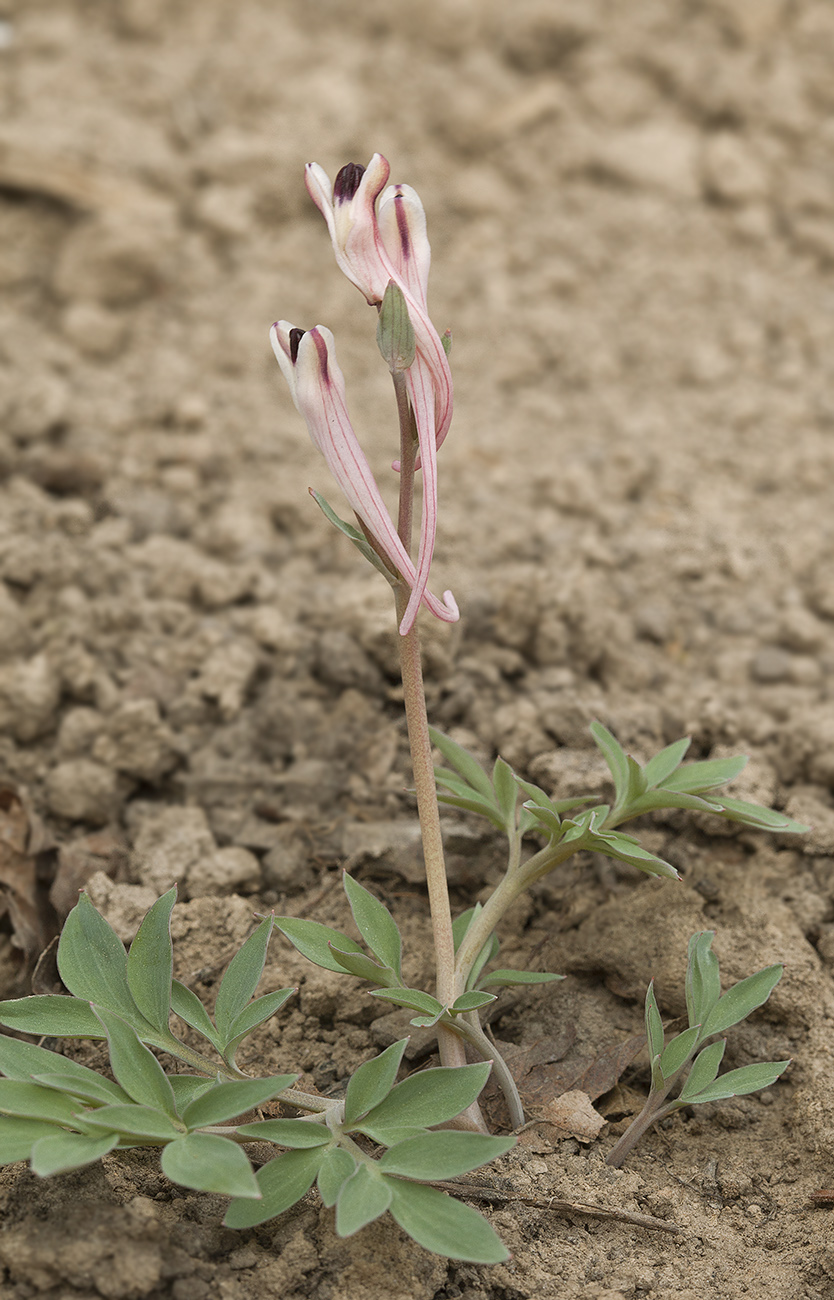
(452, 1049)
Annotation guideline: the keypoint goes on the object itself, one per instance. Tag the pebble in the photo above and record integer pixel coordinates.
(84, 791)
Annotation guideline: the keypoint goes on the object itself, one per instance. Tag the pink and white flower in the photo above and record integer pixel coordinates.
(308, 362)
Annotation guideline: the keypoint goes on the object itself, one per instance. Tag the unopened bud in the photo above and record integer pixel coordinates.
(394, 331)
(446, 340)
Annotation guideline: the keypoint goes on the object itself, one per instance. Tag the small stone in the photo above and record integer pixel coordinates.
(770, 664)
(137, 742)
(79, 729)
(228, 871)
(170, 845)
(95, 331)
(732, 171)
(29, 695)
(83, 791)
(655, 155)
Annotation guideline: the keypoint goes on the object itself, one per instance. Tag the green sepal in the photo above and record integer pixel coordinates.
(354, 535)
(395, 336)
(362, 1198)
(313, 940)
(210, 1163)
(281, 1182)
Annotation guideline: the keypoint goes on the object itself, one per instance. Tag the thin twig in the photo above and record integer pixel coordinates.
(483, 1192)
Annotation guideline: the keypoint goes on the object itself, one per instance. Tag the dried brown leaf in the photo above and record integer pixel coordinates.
(574, 1115)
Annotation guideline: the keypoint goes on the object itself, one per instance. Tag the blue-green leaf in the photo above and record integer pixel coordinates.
(336, 1167)
(510, 978)
(136, 1068)
(704, 1069)
(678, 1052)
(468, 767)
(375, 924)
(288, 1132)
(139, 1121)
(238, 985)
(373, 1081)
(654, 1024)
(471, 1001)
(150, 963)
(186, 1005)
(226, 1101)
(703, 980)
(62, 1151)
(19, 1060)
(33, 1101)
(365, 968)
(97, 1091)
(363, 1197)
(313, 941)
(737, 1083)
(359, 541)
(52, 1015)
(250, 1017)
(18, 1136)
(694, 778)
(429, 1097)
(210, 1163)
(616, 758)
(738, 1002)
(413, 999)
(444, 1225)
(506, 791)
(281, 1182)
(93, 963)
(435, 1156)
(659, 768)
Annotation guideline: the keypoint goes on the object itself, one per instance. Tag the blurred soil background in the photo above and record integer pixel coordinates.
(631, 210)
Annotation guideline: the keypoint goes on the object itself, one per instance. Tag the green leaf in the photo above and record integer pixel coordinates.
(288, 1132)
(150, 963)
(704, 1069)
(375, 924)
(473, 805)
(752, 814)
(19, 1060)
(62, 1151)
(336, 1168)
(738, 1002)
(363, 1197)
(281, 1183)
(463, 762)
(661, 798)
(487, 954)
(136, 1068)
(471, 1001)
(52, 1015)
(693, 778)
(445, 1226)
(209, 1163)
(703, 981)
(18, 1136)
(389, 1136)
(654, 1024)
(435, 1156)
(506, 791)
(238, 985)
(313, 940)
(510, 978)
(429, 1097)
(538, 797)
(413, 999)
(637, 784)
(373, 1081)
(187, 1087)
(226, 1101)
(365, 968)
(250, 1017)
(186, 1005)
(616, 758)
(678, 1051)
(93, 963)
(33, 1101)
(96, 1090)
(461, 924)
(659, 768)
(623, 847)
(737, 1083)
(551, 821)
(359, 541)
(140, 1121)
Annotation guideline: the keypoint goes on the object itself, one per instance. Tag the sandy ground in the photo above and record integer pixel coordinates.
(631, 210)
